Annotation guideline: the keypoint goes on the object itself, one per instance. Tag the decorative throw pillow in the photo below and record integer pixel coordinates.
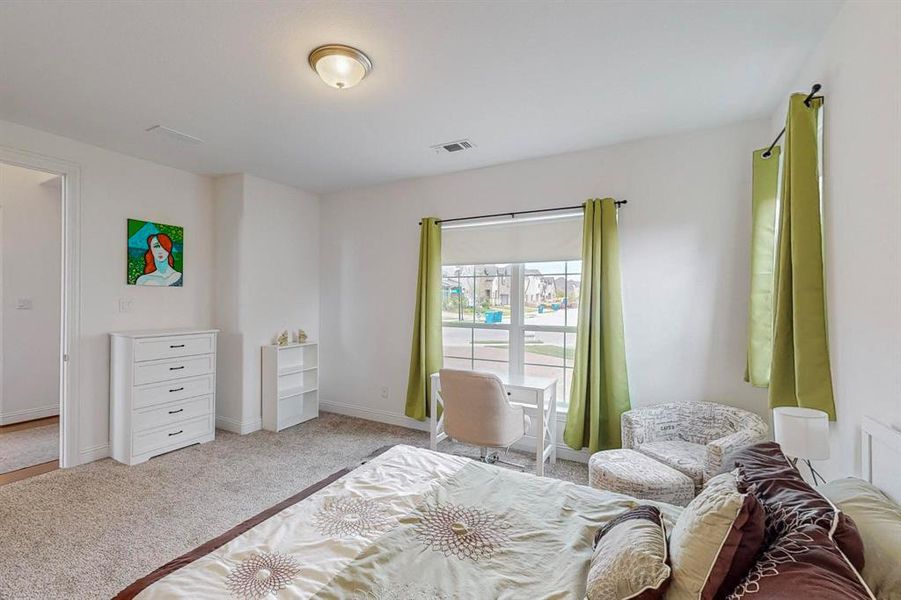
(777, 484)
(801, 563)
(715, 540)
(630, 557)
(879, 522)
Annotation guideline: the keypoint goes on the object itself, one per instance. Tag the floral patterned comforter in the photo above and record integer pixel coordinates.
(409, 524)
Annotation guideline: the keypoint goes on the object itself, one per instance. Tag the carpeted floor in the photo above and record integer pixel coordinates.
(20, 449)
(89, 531)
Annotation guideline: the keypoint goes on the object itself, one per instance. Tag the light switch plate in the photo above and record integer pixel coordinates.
(24, 304)
(125, 305)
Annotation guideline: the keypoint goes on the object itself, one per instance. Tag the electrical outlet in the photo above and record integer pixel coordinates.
(24, 304)
(125, 305)
(385, 392)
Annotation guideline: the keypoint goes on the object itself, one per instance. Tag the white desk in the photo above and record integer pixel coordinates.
(537, 392)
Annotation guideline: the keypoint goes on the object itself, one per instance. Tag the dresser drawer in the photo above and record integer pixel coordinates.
(172, 436)
(166, 370)
(171, 412)
(158, 393)
(174, 346)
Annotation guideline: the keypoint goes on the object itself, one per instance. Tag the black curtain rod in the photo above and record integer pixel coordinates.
(512, 215)
(813, 94)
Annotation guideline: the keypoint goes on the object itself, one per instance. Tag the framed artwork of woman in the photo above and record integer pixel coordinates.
(155, 254)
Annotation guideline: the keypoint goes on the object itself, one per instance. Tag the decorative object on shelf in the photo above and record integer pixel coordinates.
(155, 254)
(282, 339)
(301, 337)
(290, 385)
(802, 433)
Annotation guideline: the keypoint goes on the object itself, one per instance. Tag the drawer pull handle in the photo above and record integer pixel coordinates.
(177, 432)
(176, 368)
(177, 389)
(175, 412)
(177, 346)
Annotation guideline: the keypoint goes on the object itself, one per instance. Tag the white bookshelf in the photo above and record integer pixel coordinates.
(290, 385)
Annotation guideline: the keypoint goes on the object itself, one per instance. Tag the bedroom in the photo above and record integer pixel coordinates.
(199, 132)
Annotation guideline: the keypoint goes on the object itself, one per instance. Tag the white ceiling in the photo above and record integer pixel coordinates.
(521, 79)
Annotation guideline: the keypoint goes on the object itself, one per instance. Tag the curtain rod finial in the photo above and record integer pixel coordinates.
(813, 92)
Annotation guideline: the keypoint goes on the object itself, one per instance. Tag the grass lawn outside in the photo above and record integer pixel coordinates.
(543, 349)
(550, 350)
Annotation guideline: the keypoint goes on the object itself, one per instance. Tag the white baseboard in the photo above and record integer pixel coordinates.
(94, 453)
(527, 444)
(237, 426)
(372, 414)
(382, 416)
(29, 414)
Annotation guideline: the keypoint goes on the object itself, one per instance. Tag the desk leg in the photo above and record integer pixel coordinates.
(433, 415)
(552, 425)
(539, 440)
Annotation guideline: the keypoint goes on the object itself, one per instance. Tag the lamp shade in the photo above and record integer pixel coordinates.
(802, 432)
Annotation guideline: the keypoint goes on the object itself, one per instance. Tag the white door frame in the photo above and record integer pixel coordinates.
(69, 390)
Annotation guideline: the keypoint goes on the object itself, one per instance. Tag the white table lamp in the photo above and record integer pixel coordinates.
(802, 433)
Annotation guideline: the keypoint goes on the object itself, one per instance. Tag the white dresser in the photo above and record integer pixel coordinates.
(290, 385)
(162, 391)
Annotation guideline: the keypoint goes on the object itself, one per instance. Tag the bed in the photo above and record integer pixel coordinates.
(410, 523)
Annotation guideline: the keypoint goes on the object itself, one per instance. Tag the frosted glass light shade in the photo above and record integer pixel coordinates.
(802, 432)
(340, 67)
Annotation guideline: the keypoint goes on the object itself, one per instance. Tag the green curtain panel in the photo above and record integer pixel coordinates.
(800, 374)
(600, 385)
(426, 355)
(764, 188)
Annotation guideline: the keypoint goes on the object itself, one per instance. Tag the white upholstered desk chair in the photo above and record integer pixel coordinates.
(477, 411)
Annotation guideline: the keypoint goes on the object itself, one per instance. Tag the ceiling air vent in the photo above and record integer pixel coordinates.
(174, 134)
(451, 147)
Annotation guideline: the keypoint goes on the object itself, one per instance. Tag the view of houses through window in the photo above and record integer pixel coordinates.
(512, 319)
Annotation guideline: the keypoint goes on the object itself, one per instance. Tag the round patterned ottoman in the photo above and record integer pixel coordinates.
(634, 474)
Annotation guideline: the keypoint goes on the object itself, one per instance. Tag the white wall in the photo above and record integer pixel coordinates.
(267, 245)
(685, 255)
(858, 64)
(229, 209)
(115, 187)
(261, 276)
(30, 248)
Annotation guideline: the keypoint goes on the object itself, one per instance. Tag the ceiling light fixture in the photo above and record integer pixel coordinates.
(340, 66)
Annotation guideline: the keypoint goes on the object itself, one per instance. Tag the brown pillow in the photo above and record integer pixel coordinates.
(776, 483)
(630, 558)
(802, 563)
(715, 540)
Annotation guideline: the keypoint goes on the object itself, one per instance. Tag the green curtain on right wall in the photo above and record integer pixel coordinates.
(764, 200)
(600, 385)
(800, 374)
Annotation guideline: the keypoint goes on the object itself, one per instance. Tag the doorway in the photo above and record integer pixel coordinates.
(31, 318)
(69, 405)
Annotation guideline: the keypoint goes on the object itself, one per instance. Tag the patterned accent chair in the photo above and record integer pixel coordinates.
(691, 437)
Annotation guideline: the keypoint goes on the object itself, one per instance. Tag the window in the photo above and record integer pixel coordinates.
(513, 319)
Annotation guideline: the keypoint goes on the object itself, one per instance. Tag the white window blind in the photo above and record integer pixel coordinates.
(513, 242)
